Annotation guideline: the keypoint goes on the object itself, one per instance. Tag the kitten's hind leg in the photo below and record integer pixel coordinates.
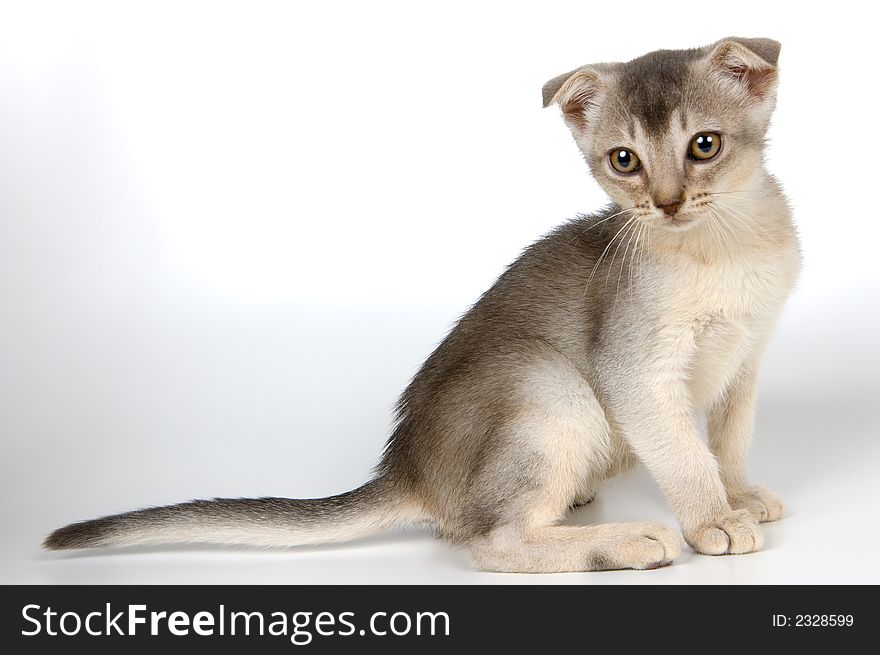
(584, 497)
(561, 548)
(555, 447)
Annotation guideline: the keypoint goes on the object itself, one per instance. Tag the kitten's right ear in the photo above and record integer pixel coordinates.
(748, 63)
(576, 92)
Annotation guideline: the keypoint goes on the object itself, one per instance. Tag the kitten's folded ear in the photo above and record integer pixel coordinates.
(576, 92)
(748, 63)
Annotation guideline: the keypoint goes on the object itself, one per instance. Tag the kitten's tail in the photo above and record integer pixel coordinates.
(252, 521)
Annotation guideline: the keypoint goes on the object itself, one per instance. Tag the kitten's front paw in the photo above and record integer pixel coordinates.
(764, 505)
(733, 533)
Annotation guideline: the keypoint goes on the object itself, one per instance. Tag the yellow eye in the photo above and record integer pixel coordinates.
(624, 161)
(704, 146)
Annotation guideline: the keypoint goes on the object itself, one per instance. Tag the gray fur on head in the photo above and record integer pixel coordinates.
(654, 104)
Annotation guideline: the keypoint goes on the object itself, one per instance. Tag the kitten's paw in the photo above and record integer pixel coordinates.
(643, 546)
(762, 504)
(733, 533)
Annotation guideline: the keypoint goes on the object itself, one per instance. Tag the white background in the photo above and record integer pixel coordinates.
(230, 233)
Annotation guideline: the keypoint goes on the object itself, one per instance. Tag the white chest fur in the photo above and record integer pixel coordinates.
(732, 306)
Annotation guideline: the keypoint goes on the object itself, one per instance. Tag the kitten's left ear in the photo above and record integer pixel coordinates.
(578, 92)
(748, 63)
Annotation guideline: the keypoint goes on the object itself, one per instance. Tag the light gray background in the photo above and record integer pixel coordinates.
(229, 234)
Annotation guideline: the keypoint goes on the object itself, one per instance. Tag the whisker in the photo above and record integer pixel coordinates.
(734, 209)
(607, 218)
(727, 227)
(740, 191)
(742, 220)
(633, 260)
(642, 250)
(617, 249)
(716, 231)
(602, 256)
(631, 233)
(745, 219)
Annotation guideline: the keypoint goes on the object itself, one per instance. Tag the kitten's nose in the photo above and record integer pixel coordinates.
(670, 207)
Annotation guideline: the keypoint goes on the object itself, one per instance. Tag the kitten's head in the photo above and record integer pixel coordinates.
(664, 132)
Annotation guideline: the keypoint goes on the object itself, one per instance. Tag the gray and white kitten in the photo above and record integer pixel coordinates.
(600, 347)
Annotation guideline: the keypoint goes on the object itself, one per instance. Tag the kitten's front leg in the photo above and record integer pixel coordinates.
(731, 423)
(655, 416)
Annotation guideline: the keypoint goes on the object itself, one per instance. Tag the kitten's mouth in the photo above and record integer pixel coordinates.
(678, 223)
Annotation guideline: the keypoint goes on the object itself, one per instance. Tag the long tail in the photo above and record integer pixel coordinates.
(252, 521)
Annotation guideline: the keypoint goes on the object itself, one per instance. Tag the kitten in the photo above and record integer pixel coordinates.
(598, 348)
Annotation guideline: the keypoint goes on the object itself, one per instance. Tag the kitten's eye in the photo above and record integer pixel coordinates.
(624, 161)
(705, 145)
